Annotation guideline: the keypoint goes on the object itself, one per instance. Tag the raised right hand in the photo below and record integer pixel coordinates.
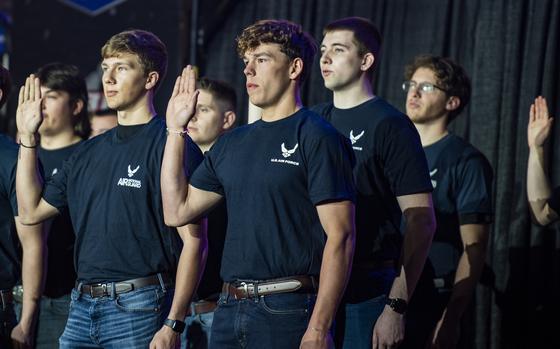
(29, 115)
(540, 123)
(182, 104)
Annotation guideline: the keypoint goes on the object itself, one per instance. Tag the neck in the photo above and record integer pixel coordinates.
(288, 104)
(138, 113)
(205, 147)
(60, 140)
(353, 94)
(431, 132)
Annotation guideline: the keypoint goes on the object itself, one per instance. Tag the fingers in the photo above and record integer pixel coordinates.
(176, 87)
(192, 80)
(27, 88)
(184, 79)
(21, 95)
(37, 85)
(532, 113)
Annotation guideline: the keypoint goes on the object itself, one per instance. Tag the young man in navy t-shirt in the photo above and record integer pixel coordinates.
(543, 201)
(438, 90)
(287, 183)
(126, 257)
(13, 267)
(392, 181)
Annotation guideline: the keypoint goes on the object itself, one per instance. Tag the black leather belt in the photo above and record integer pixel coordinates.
(246, 290)
(106, 289)
(6, 298)
(202, 307)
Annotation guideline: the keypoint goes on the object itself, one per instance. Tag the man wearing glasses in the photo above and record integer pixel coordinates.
(392, 182)
(437, 91)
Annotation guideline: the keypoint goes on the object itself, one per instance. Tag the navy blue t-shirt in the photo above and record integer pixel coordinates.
(272, 174)
(111, 186)
(462, 181)
(554, 201)
(61, 274)
(9, 256)
(390, 163)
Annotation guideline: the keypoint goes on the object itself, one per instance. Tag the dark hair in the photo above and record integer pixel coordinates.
(5, 84)
(222, 91)
(293, 41)
(67, 78)
(366, 36)
(450, 76)
(151, 51)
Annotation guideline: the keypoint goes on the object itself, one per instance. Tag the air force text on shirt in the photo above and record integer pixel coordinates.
(130, 182)
(286, 153)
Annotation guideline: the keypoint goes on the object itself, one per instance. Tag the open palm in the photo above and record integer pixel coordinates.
(182, 104)
(29, 115)
(540, 123)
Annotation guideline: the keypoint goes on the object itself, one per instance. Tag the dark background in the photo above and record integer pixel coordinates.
(510, 49)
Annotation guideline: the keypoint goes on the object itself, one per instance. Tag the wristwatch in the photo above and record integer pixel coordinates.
(397, 304)
(176, 325)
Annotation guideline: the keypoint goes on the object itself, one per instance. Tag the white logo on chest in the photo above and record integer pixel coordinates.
(129, 182)
(288, 152)
(353, 138)
(54, 171)
(434, 182)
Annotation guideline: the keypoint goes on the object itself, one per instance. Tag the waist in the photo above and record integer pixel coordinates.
(114, 288)
(254, 289)
(6, 298)
(202, 307)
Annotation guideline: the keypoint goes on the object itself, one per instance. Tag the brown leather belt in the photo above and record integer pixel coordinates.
(246, 290)
(6, 298)
(106, 289)
(202, 307)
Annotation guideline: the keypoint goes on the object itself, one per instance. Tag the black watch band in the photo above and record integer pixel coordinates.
(176, 325)
(398, 305)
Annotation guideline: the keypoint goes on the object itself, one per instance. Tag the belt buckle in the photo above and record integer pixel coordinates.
(94, 294)
(245, 287)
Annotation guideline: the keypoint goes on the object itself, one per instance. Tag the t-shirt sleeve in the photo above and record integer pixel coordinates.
(554, 201)
(205, 177)
(403, 158)
(194, 158)
(11, 189)
(329, 161)
(54, 191)
(474, 190)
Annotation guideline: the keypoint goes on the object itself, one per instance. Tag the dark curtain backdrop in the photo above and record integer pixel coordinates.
(510, 49)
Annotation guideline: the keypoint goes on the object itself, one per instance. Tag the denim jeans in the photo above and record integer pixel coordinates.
(127, 320)
(7, 323)
(53, 315)
(198, 330)
(274, 322)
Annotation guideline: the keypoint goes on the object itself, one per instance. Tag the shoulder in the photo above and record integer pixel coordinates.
(8, 149)
(323, 109)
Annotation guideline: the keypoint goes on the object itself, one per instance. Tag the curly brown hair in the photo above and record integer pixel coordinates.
(293, 41)
(151, 51)
(450, 76)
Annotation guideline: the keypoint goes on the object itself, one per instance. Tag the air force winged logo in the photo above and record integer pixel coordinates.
(434, 182)
(132, 172)
(288, 152)
(353, 138)
(129, 182)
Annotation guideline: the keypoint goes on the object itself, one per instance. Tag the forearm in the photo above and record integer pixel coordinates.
(538, 186)
(28, 181)
(335, 270)
(33, 243)
(174, 186)
(189, 271)
(419, 232)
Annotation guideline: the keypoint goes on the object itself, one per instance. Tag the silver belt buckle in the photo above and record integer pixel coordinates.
(245, 288)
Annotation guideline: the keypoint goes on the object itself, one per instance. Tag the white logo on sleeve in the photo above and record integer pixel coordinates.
(132, 172)
(432, 173)
(355, 138)
(288, 152)
(129, 182)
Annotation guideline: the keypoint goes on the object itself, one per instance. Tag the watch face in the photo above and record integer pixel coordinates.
(397, 304)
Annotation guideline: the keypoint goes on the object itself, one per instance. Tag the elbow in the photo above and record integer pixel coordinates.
(27, 219)
(173, 219)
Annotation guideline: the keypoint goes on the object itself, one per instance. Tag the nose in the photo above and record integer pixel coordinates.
(108, 76)
(249, 69)
(325, 58)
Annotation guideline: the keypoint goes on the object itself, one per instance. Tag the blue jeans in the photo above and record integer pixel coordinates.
(197, 332)
(274, 322)
(127, 320)
(53, 315)
(7, 323)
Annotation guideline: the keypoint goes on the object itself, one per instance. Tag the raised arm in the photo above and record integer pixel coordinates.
(182, 203)
(337, 219)
(32, 208)
(420, 226)
(538, 185)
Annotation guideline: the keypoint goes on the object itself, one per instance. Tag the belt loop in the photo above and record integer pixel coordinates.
(113, 290)
(79, 289)
(162, 284)
(193, 309)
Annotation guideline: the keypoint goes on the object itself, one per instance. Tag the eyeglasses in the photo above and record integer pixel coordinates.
(423, 87)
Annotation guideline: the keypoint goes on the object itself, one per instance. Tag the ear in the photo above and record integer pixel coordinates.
(1, 94)
(229, 120)
(296, 67)
(367, 61)
(78, 106)
(152, 79)
(453, 103)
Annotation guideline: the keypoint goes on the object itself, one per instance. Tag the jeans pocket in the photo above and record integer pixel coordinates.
(148, 300)
(287, 304)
